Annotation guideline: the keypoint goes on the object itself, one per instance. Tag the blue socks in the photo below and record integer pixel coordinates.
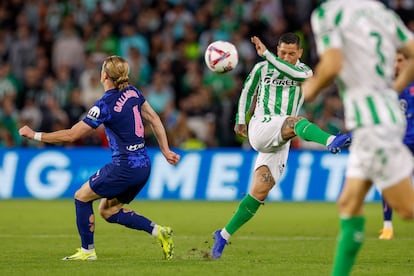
(387, 210)
(85, 220)
(132, 220)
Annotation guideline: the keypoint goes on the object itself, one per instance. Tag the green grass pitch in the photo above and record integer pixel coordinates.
(284, 238)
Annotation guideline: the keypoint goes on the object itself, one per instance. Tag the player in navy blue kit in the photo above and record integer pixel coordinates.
(407, 105)
(121, 110)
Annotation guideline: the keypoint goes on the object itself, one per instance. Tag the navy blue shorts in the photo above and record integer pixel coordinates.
(120, 182)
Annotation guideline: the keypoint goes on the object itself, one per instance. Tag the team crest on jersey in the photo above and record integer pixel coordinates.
(94, 113)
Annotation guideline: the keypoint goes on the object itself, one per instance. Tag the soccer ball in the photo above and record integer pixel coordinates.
(221, 56)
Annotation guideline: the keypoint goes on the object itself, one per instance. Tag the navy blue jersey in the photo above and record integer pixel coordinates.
(120, 113)
(407, 104)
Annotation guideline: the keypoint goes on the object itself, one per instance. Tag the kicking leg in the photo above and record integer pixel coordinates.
(311, 132)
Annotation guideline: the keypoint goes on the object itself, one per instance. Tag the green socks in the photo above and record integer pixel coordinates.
(349, 242)
(247, 208)
(311, 132)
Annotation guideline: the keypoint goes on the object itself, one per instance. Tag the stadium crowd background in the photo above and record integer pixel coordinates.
(51, 52)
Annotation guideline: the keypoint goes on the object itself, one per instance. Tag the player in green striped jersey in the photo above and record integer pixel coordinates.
(274, 86)
(357, 41)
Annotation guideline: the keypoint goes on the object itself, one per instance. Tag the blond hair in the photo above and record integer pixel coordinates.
(118, 70)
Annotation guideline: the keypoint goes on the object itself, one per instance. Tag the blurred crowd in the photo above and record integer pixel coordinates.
(51, 53)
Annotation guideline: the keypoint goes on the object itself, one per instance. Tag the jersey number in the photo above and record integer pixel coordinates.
(379, 67)
(139, 128)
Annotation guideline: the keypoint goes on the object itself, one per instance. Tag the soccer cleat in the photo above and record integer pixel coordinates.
(81, 255)
(340, 141)
(386, 234)
(165, 238)
(219, 243)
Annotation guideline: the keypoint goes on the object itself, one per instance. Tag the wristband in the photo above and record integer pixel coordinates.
(38, 136)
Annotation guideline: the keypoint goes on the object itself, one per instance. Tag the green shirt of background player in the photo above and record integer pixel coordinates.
(273, 87)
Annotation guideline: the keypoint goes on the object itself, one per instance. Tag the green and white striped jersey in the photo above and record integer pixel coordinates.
(277, 85)
(369, 35)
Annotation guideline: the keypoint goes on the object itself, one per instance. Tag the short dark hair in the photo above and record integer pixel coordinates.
(289, 38)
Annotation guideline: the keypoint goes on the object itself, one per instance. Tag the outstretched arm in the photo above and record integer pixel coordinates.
(154, 121)
(291, 71)
(61, 136)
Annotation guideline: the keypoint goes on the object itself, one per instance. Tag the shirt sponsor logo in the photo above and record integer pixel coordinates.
(135, 147)
(276, 82)
(94, 113)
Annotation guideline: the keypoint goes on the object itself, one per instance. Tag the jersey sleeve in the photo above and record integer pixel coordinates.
(248, 92)
(326, 28)
(292, 72)
(97, 114)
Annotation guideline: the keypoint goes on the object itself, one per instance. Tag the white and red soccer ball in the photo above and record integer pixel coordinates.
(221, 56)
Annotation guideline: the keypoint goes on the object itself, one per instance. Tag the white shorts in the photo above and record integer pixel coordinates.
(378, 154)
(265, 133)
(265, 137)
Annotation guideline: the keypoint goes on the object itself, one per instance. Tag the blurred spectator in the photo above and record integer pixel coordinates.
(53, 116)
(8, 88)
(51, 51)
(32, 86)
(54, 15)
(68, 49)
(192, 142)
(64, 85)
(160, 95)
(30, 113)
(89, 82)
(200, 113)
(9, 123)
(178, 17)
(22, 54)
(75, 110)
(139, 68)
(104, 43)
(5, 43)
(131, 39)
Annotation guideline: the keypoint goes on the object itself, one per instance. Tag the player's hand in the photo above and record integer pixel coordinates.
(27, 132)
(241, 130)
(172, 157)
(260, 47)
